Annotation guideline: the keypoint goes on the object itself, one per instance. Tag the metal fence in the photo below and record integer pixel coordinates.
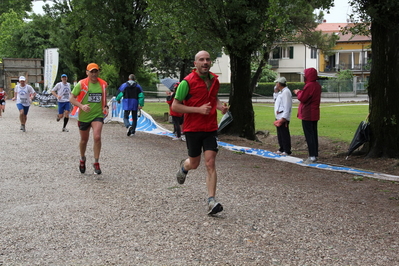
(342, 88)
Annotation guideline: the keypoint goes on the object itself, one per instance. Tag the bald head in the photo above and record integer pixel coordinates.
(202, 62)
(201, 53)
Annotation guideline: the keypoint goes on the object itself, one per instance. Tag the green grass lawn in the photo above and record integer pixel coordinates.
(338, 121)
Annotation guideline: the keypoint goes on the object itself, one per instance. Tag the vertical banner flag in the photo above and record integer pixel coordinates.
(50, 67)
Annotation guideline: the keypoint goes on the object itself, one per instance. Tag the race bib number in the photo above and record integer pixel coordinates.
(94, 97)
(24, 100)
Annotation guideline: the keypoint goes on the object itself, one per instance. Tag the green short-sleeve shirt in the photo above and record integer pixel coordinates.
(94, 99)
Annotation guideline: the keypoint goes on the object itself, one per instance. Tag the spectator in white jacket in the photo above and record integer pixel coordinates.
(282, 112)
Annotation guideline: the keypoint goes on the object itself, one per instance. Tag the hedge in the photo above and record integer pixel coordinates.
(263, 89)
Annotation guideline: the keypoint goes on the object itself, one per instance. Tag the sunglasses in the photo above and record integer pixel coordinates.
(93, 71)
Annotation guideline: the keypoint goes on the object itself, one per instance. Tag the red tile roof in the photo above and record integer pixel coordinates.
(336, 28)
(331, 27)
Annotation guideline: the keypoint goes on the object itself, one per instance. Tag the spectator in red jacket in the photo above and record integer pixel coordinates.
(177, 118)
(309, 112)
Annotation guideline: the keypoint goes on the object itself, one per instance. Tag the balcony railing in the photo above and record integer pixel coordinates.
(274, 63)
(343, 66)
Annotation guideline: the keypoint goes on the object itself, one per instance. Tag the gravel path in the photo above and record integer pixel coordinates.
(135, 213)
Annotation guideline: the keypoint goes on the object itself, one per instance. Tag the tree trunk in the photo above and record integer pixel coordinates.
(258, 72)
(240, 101)
(383, 91)
(185, 68)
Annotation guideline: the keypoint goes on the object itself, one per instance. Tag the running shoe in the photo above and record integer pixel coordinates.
(97, 169)
(214, 207)
(23, 128)
(58, 118)
(181, 176)
(310, 161)
(65, 130)
(82, 166)
(129, 131)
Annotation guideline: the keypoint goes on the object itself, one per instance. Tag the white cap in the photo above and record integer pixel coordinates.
(22, 78)
(281, 80)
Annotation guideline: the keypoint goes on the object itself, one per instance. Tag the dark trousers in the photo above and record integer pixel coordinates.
(177, 122)
(311, 136)
(134, 119)
(284, 138)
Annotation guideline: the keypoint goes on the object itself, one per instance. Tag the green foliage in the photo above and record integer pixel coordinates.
(267, 74)
(10, 23)
(22, 36)
(34, 37)
(110, 74)
(174, 41)
(18, 6)
(242, 28)
(225, 88)
(345, 74)
(105, 32)
(146, 77)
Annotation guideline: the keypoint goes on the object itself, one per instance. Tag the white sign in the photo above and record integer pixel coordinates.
(50, 67)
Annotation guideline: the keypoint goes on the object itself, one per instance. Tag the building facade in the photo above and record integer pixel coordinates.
(12, 68)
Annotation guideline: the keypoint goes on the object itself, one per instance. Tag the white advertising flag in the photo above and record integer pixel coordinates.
(50, 67)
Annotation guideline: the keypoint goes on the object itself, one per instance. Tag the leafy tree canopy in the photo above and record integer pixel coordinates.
(11, 24)
(242, 27)
(18, 6)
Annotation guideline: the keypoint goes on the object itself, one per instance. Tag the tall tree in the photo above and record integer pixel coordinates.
(12, 13)
(65, 32)
(243, 27)
(115, 32)
(171, 48)
(104, 31)
(34, 37)
(18, 6)
(10, 23)
(383, 18)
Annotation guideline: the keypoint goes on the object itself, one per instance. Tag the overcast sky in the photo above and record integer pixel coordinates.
(338, 14)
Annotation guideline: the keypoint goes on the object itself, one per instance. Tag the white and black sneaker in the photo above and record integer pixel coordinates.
(214, 207)
(129, 131)
(310, 160)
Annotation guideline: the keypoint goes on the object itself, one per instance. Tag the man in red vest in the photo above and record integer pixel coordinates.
(89, 96)
(197, 98)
